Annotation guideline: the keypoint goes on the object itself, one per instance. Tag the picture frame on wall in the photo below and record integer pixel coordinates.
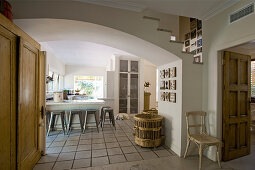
(197, 59)
(193, 34)
(166, 85)
(166, 96)
(166, 73)
(194, 52)
(199, 43)
(187, 49)
(162, 74)
(199, 50)
(162, 96)
(193, 23)
(187, 43)
(172, 98)
(199, 24)
(187, 36)
(172, 84)
(172, 72)
(194, 44)
(199, 34)
(162, 85)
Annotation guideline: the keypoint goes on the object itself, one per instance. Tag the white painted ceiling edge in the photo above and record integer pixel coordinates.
(45, 30)
(81, 53)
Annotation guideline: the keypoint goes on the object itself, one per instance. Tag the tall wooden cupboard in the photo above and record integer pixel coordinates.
(22, 66)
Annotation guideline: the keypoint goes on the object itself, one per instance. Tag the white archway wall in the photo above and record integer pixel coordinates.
(218, 35)
(126, 21)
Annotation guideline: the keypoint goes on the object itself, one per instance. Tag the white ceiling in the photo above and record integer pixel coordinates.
(246, 48)
(76, 34)
(201, 9)
(82, 53)
(191, 8)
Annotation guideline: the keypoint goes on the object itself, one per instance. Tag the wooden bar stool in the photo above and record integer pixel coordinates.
(53, 117)
(95, 113)
(72, 113)
(110, 112)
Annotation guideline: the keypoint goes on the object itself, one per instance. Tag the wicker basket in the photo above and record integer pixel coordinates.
(151, 111)
(148, 130)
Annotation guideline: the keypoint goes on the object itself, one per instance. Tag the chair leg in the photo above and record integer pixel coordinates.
(70, 123)
(113, 120)
(85, 121)
(80, 117)
(187, 147)
(63, 122)
(218, 154)
(96, 120)
(200, 156)
(51, 117)
(103, 119)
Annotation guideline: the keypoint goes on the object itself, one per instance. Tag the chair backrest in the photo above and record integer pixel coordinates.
(201, 125)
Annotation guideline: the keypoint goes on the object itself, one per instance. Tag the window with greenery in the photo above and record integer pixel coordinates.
(89, 85)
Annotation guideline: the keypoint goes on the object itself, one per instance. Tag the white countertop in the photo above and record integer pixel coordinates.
(75, 102)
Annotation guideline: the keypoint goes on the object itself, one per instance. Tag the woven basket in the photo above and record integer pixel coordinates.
(148, 129)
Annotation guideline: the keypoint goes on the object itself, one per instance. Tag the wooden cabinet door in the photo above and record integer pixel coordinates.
(8, 100)
(236, 105)
(42, 100)
(28, 111)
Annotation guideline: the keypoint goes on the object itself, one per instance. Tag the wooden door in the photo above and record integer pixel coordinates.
(42, 91)
(8, 100)
(28, 111)
(236, 105)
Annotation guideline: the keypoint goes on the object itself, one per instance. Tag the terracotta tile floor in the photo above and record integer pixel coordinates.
(116, 150)
(92, 149)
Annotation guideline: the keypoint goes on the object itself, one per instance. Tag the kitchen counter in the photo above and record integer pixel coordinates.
(74, 104)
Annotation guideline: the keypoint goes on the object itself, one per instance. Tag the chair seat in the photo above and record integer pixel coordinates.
(204, 139)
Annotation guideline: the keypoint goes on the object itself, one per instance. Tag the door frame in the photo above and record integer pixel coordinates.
(220, 55)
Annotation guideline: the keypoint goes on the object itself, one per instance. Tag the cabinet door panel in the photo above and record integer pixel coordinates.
(28, 149)
(7, 99)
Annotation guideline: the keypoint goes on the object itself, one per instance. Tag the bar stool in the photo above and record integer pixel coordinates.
(104, 111)
(87, 112)
(53, 117)
(72, 113)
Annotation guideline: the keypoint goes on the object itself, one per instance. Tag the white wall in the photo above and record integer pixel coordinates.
(172, 112)
(150, 72)
(54, 64)
(72, 71)
(218, 34)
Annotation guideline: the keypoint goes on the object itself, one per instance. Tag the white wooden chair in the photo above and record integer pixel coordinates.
(202, 140)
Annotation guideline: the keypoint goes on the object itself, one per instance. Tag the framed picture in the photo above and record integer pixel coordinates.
(193, 23)
(172, 72)
(199, 43)
(193, 34)
(162, 74)
(166, 73)
(194, 52)
(187, 49)
(166, 96)
(199, 34)
(187, 36)
(166, 85)
(194, 44)
(199, 50)
(162, 96)
(187, 43)
(199, 24)
(172, 84)
(162, 85)
(197, 59)
(172, 97)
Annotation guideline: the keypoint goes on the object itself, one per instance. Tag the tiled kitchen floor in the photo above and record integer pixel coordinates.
(92, 149)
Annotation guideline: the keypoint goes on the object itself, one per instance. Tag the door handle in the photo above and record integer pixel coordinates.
(42, 112)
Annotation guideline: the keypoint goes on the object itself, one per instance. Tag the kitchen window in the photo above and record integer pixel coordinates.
(89, 85)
